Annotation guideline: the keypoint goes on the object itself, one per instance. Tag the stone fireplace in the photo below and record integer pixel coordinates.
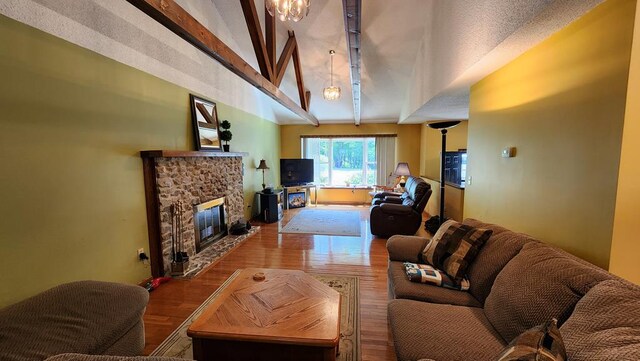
(196, 179)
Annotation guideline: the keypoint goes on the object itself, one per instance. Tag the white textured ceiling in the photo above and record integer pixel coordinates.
(467, 40)
(389, 37)
(419, 57)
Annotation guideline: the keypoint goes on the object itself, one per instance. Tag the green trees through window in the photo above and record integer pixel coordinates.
(342, 161)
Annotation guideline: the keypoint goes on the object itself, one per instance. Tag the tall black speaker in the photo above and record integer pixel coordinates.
(271, 206)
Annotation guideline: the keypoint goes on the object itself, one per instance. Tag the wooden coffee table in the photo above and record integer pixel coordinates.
(287, 316)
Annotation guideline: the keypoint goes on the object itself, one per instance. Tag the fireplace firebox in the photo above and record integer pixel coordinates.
(210, 222)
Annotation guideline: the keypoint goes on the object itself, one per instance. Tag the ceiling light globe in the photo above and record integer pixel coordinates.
(332, 93)
(294, 10)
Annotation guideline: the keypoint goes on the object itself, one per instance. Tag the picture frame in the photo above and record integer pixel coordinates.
(206, 127)
(297, 200)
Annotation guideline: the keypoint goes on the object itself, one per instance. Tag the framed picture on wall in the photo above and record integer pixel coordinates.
(206, 129)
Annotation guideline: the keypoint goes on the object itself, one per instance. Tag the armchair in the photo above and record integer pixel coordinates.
(395, 213)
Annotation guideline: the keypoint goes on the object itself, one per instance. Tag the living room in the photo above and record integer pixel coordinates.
(97, 83)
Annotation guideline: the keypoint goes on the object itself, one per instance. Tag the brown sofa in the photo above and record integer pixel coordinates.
(86, 317)
(517, 283)
(399, 213)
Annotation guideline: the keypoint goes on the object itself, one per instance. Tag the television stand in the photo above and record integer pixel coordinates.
(299, 189)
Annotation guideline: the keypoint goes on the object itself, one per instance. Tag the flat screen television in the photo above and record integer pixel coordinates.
(294, 172)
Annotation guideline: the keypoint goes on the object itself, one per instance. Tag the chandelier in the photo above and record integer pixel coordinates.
(331, 92)
(288, 9)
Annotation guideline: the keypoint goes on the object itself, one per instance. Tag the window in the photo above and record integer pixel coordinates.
(342, 161)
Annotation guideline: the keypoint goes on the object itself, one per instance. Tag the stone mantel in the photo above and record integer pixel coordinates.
(188, 154)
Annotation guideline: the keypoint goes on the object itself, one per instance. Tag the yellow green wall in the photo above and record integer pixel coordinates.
(562, 105)
(625, 247)
(453, 201)
(407, 150)
(71, 128)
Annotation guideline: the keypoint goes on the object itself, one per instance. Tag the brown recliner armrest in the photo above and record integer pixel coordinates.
(406, 248)
(387, 194)
(391, 208)
(392, 199)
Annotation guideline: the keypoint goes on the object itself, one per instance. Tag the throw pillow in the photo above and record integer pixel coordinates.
(541, 343)
(454, 247)
(425, 273)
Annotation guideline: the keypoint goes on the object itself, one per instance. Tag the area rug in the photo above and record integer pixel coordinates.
(178, 344)
(214, 252)
(324, 221)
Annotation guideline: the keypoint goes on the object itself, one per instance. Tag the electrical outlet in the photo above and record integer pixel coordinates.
(140, 251)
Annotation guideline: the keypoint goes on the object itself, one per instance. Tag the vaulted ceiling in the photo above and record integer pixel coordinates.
(419, 57)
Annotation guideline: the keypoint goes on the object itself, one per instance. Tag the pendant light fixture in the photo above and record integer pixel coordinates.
(285, 10)
(331, 92)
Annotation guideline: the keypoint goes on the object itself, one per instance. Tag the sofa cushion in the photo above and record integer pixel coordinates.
(538, 284)
(541, 343)
(499, 249)
(442, 332)
(401, 287)
(454, 247)
(605, 324)
(81, 317)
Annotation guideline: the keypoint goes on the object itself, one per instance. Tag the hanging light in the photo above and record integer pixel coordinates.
(288, 9)
(331, 92)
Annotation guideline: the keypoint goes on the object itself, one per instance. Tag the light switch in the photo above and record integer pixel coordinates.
(508, 152)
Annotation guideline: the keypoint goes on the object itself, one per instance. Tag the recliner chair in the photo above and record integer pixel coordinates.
(395, 213)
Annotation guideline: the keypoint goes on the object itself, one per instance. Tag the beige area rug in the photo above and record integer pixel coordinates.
(325, 221)
(178, 344)
(214, 252)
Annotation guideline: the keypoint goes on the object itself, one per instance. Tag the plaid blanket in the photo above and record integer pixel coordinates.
(425, 273)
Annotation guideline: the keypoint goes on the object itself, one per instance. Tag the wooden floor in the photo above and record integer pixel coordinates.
(363, 256)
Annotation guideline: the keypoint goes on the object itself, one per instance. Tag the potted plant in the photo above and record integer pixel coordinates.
(226, 134)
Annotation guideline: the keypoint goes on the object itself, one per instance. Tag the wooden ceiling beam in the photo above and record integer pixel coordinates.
(299, 79)
(255, 32)
(270, 38)
(179, 21)
(286, 55)
(352, 10)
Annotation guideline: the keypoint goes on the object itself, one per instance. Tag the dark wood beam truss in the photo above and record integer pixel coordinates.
(299, 77)
(270, 37)
(286, 55)
(255, 32)
(265, 49)
(179, 21)
(352, 24)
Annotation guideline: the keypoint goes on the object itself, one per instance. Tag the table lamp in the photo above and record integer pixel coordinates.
(263, 167)
(402, 171)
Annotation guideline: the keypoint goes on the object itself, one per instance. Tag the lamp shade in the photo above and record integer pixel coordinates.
(402, 169)
(263, 164)
(444, 125)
